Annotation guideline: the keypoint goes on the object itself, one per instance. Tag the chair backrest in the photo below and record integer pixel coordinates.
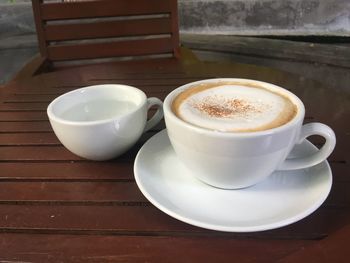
(93, 29)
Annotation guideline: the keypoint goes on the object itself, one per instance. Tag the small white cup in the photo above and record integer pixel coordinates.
(103, 121)
(235, 160)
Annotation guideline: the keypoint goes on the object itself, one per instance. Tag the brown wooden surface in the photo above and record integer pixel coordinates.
(155, 26)
(81, 30)
(102, 8)
(57, 207)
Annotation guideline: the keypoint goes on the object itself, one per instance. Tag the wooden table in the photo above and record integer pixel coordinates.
(57, 207)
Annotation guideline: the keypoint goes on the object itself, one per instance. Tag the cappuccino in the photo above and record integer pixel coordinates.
(233, 106)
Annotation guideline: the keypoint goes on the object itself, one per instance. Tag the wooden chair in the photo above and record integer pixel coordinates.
(90, 31)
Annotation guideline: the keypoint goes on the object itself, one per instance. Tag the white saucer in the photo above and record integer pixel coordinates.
(282, 199)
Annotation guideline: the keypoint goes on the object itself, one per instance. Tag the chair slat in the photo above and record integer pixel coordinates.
(110, 49)
(103, 8)
(108, 29)
(95, 31)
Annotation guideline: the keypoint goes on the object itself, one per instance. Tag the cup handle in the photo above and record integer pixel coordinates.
(319, 156)
(157, 116)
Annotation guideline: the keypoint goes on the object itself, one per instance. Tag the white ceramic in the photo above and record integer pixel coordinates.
(236, 160)
(103, 121)
(283, 198)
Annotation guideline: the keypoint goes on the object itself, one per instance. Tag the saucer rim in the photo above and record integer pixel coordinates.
(237, 229)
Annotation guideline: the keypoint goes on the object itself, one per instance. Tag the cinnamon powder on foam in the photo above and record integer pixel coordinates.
(220, 107)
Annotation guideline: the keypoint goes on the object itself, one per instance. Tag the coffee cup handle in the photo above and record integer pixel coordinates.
(157, 116)
(319, 156)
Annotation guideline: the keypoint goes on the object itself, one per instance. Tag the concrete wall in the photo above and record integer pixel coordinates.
(16, 18)
(266, 17)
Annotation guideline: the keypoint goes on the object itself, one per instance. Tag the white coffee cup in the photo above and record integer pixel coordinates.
(232, 160)
(103, 121)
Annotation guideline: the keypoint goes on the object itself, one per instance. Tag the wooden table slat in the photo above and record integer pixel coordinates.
(93, 171)
(120, 217)
(104, 248)
(68, 191)
(26, 127)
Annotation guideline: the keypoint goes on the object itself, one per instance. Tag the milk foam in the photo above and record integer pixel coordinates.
(237, 108)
